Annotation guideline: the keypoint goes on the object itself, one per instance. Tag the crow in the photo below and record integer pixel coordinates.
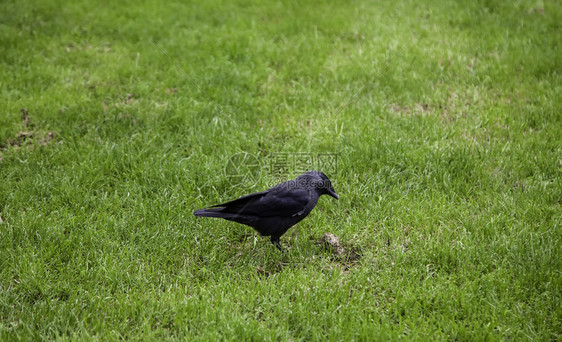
(272, 212)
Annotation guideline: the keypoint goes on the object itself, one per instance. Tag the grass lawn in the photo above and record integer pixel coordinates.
(439, 123)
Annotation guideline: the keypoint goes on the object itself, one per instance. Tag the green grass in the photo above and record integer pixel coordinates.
(445, 117)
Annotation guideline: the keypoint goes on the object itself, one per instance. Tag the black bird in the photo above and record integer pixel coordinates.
(272, 212)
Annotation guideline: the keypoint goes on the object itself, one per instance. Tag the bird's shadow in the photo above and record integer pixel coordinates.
(250, 248)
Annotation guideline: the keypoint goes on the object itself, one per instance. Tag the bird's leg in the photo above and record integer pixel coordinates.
(275, 241)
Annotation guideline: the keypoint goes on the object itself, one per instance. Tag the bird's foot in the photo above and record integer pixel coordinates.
(278, 245)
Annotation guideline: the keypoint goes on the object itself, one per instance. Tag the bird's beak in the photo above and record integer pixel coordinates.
(332, 193)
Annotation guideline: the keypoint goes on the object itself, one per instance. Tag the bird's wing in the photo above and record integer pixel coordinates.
(273, 202)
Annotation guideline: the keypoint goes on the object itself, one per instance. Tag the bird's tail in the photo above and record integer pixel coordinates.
(213, 212)
(218, 212)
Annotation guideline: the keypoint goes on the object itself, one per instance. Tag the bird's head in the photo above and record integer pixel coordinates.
(321, 183)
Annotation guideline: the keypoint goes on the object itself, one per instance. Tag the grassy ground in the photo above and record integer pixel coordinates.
(445, 118)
